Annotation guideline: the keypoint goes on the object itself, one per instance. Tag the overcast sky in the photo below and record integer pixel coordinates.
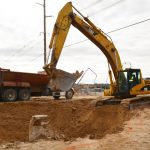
(21, 35)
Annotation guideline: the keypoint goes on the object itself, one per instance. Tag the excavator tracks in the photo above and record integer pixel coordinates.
(134, 102)
(130, 103)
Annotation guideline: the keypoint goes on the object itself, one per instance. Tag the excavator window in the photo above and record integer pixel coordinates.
(128, 79)
(134, 77)
(123, 82)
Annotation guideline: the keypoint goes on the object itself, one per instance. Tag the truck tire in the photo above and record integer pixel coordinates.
(24, 94)
(56, 95)
(69, 94)
(9, 95)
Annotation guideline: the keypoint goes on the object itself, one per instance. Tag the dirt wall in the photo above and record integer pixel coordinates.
(68, 119)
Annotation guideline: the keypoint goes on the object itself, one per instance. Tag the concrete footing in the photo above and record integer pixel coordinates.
(38, 127)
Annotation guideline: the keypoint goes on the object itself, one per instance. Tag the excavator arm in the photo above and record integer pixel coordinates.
(65, 19)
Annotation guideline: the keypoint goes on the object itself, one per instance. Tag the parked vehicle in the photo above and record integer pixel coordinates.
(20, 85)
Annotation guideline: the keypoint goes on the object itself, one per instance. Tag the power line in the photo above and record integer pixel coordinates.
(31, 47)
(92, 4)
(24, 47)
(20, 52)
(37, 57)
(115, 30)
(105, 8)
(75, 43)
(27, 46)
(136, 23)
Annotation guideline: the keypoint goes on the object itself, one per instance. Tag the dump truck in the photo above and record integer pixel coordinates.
(20, 85)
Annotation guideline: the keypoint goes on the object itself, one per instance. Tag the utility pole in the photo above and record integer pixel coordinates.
(44, 12)
(45, 52)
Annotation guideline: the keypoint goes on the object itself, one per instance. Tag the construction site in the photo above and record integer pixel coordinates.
(53, 109)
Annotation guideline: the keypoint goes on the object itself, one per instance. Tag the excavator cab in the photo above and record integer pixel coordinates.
(127, 79)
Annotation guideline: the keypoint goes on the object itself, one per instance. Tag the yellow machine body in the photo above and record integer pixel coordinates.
(65, 19)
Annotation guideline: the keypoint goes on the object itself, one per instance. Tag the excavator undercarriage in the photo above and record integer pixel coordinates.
(129, 103)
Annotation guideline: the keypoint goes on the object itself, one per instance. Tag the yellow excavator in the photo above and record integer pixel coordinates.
(123, 83)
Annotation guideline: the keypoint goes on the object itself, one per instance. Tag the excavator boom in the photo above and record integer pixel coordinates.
(65, 18)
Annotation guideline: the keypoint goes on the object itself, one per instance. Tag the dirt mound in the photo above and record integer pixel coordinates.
(69, 119)
(93, 122)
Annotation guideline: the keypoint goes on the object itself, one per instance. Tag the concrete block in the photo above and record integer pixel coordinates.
(39, 128)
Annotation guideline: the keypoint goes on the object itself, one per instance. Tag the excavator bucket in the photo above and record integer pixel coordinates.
(62, 81)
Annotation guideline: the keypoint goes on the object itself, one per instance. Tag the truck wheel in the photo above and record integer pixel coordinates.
(9, 95)
(24, 94)
(56, 95)
(69, 94)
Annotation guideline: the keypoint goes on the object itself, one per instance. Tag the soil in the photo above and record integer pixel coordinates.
(68, 119)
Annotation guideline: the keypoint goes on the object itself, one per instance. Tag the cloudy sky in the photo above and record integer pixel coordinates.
(21, 35)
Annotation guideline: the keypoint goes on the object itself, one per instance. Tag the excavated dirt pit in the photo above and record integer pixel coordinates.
(68, 119)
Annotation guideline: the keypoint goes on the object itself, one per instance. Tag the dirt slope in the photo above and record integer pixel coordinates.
(135, 136)
(69, 119)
